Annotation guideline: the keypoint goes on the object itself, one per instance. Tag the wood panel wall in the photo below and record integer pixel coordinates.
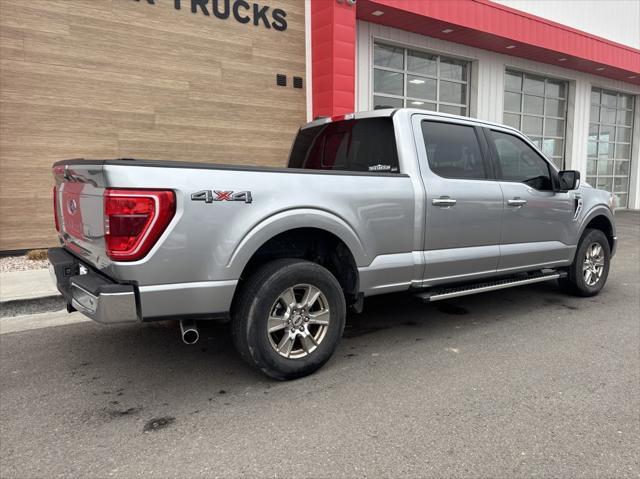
(125, 78)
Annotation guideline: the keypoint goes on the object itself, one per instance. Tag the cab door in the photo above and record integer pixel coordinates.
(538, 222)
(464, 202)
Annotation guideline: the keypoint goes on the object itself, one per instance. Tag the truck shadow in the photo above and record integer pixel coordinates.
(147, 375)
(402, 310)
(154, 351)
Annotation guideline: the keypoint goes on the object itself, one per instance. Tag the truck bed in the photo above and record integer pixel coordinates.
(208, 243)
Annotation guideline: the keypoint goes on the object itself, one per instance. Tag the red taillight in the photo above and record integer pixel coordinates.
(55, 208)
(134, 220)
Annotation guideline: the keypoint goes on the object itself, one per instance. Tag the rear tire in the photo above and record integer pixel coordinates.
(288, 318)
(590, 269)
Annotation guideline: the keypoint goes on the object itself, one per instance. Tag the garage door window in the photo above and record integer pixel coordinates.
(415, 79)
(537, 106)
(609, 146)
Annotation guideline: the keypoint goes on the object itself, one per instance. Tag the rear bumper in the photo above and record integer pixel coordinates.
(107, 301)
(94, 295)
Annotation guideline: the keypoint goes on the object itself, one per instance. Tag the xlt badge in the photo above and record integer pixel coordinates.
(209, 196)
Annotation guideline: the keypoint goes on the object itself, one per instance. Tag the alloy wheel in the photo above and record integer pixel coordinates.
(298, 321)
(593, 264)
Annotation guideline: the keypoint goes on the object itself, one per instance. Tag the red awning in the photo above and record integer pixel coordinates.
(491, 26)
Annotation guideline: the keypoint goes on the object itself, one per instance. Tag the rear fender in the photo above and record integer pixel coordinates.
(290, 220)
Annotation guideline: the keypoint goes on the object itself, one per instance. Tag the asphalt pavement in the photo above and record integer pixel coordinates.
(519, 383)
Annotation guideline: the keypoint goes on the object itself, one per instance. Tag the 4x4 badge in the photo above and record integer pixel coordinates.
(209, 196)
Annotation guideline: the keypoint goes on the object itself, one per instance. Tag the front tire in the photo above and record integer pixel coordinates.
(288, 318)
(590, 269)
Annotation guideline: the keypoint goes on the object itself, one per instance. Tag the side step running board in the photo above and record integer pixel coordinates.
(437, 294)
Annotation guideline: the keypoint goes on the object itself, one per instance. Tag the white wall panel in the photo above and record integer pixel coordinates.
(634, 180)
(616, 20)
(487, 88)
(578, 125)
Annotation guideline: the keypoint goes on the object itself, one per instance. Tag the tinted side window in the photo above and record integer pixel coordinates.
(519, 162)
(453, 150)
(351, 145)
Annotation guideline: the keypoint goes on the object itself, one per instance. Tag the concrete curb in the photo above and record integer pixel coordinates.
(39, 320)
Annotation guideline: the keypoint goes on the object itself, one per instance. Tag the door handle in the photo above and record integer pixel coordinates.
(517, 202)
(443, 202)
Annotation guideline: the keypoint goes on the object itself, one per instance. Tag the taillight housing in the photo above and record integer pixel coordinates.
(134, 220)
(55, 208)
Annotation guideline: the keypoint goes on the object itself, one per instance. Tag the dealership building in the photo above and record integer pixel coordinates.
(230, 81)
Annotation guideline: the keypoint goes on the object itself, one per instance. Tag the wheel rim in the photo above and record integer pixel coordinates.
(298, 321)
(593, 264)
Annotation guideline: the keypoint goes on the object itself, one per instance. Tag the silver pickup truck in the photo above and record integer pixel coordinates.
(371, 203)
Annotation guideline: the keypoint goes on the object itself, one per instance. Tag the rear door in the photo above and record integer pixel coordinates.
(464, 204)
(537, 222)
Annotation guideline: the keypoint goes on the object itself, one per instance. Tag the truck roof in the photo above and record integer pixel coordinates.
(389, 112)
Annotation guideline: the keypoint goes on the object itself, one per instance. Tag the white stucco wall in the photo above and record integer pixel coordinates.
(487, 89)
(616, 20)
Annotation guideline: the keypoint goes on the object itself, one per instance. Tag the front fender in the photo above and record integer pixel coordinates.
(598, 210)
(294, 219)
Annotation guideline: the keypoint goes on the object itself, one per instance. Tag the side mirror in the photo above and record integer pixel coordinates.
(568, 180)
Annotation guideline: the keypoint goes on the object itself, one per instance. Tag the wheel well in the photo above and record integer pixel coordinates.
(312, 244)
(603, 224)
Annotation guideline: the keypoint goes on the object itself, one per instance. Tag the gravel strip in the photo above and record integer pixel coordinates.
(9, 264)
(21, 307)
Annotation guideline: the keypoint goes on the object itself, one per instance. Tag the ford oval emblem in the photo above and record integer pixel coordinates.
(72, 206)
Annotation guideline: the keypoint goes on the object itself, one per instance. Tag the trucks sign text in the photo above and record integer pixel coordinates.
(240, 10)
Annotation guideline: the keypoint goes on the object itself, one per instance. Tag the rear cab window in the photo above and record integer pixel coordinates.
(362, 145)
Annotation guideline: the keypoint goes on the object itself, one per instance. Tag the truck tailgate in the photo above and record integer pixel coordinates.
(79, 205)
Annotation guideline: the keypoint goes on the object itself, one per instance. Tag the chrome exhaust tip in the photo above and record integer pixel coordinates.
(189, 331)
